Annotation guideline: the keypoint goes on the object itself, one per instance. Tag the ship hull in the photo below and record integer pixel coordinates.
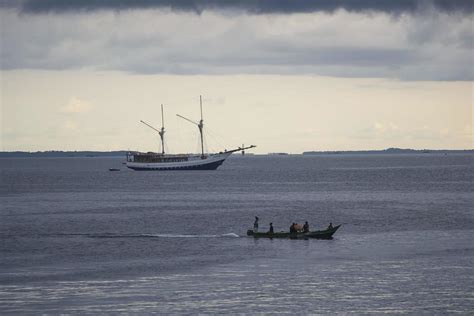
(210, 163)
(319, 234)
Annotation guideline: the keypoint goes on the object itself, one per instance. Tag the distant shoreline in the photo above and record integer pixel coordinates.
(122, 153)
(59, 153)
(393, 151)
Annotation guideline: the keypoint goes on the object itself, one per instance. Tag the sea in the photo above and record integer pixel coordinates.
(76, 238)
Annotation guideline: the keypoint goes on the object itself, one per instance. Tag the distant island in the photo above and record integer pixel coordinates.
(122, 153)
(60, 153)
(393, 151)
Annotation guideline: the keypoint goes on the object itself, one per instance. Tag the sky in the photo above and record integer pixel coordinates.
(287, 76)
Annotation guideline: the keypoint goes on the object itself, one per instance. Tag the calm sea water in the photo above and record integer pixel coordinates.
(76, 238)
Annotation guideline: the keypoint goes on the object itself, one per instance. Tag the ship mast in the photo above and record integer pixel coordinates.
(200, 125)
(161, 131)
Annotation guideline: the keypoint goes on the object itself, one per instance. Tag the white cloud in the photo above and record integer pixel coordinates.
(70, 126)
(386, 128)
(76, 105)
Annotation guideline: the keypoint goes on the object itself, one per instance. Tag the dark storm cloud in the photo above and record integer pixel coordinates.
(362, 41)
(251, 6)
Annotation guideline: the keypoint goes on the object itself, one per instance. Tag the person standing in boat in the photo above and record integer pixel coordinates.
(255, 225)
(270, 231)
(306, 227)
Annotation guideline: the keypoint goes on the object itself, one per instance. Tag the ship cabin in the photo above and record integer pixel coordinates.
(151, 157)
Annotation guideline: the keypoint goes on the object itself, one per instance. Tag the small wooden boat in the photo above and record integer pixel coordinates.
(318, 234)
(114, 169)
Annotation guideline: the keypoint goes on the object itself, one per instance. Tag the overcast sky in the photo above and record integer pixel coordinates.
(285, 75)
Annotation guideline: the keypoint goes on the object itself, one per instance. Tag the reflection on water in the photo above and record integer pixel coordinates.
(414, 275)
(384, 286)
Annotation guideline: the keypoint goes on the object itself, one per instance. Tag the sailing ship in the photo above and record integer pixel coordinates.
(162, 161)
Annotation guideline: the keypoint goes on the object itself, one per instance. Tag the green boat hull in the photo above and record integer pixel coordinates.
(319, 234)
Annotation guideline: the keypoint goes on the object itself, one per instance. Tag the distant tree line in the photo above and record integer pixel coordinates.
(392, 151)
(59, 153)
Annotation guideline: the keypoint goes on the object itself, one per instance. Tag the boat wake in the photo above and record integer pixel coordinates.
(118, 235)
(228, 235)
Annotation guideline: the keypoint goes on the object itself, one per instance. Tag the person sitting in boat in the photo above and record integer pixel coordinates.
(255, 225)
(298, 228)
(270, 231)
(330, 226)
(292, 228)
(306, 227)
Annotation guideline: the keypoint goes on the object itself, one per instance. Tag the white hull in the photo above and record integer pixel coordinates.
(211, 162)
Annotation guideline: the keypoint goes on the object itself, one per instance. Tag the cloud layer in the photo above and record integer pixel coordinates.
(435, 43)
(251, 6)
